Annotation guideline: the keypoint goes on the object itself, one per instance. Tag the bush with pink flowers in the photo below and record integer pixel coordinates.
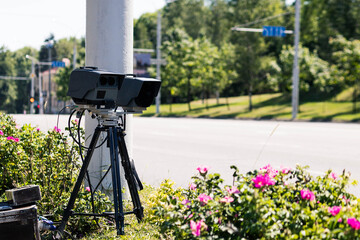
(51, 161)
(267, 203)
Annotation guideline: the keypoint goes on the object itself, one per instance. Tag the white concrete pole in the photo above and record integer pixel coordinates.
(295, 75)
(109, 46)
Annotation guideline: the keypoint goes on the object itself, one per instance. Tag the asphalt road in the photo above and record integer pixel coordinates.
(174, 147)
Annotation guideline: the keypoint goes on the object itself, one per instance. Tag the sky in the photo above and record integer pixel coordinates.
(30, 22)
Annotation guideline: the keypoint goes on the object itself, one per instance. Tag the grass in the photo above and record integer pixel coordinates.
(133, 229)
(265, 106)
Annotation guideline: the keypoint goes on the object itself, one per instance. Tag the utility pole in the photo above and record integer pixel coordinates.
(41, 97)
(49, 94)
(109, 46)
(49, 46)
(295, 74)
(41, 100)
(32, 86)
(158, 59)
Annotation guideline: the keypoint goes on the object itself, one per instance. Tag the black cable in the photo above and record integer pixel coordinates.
(58, 116)
(82, 159)
(78, 129)
(79, 135)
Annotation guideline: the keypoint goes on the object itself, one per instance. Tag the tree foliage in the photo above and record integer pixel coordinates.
(262, 64)
(8, 88)
(205, 58)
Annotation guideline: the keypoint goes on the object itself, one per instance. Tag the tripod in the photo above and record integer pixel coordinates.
(116, 141)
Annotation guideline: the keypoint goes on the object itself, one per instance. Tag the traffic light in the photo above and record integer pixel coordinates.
(32, 100)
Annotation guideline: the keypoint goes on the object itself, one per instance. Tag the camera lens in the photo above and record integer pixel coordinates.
(103, 81)
(111, 81)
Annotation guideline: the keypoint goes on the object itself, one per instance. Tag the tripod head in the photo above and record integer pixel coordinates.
(105, 116)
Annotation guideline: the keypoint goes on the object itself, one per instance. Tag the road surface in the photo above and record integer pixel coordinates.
(174, 147)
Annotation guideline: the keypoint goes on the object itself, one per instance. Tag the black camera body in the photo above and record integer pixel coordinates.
(94, 87)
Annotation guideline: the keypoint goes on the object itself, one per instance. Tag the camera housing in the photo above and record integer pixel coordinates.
(109, 90)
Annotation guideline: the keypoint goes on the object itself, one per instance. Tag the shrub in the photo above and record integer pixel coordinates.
(267, 203)
(50, 160)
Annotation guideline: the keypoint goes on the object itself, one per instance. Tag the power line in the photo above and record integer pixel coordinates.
(263, 19)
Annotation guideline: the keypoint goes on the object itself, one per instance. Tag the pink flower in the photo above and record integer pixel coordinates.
(263, 180)
(56, 129)
(203, 198)
(340, 220)
(185, 201)
(196, 227)
(232, 190)
(333, 175)
(354, 223)
(203, 169)
(87, 189)
(272, 172)
(334, 210)
(285, 170)
(226, 199)
(13, 139)
(38, 129)
(190, 216)
(192, 186)
(346, 200)
(1, 132)
(307, 194)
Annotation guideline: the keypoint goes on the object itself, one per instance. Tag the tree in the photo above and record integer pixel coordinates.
(322, 20)
(64, 48)
(347, 59)
(251, 47)
(175, 74)
(23, 69)
(315, 73)
(145, 31)
(189, 15)
(44, 51)
(8, 88)
(218, 22)
(62, 81)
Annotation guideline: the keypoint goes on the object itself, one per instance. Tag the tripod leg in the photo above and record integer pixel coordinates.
(78, 183)
(116, 182)
(129, 175)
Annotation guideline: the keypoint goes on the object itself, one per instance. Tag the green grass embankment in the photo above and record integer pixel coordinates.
(265, 106)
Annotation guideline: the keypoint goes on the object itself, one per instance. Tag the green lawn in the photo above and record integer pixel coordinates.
(265, 106)
(133, 229)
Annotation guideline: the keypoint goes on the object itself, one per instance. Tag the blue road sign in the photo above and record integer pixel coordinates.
(57, 64)
(273, 31)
